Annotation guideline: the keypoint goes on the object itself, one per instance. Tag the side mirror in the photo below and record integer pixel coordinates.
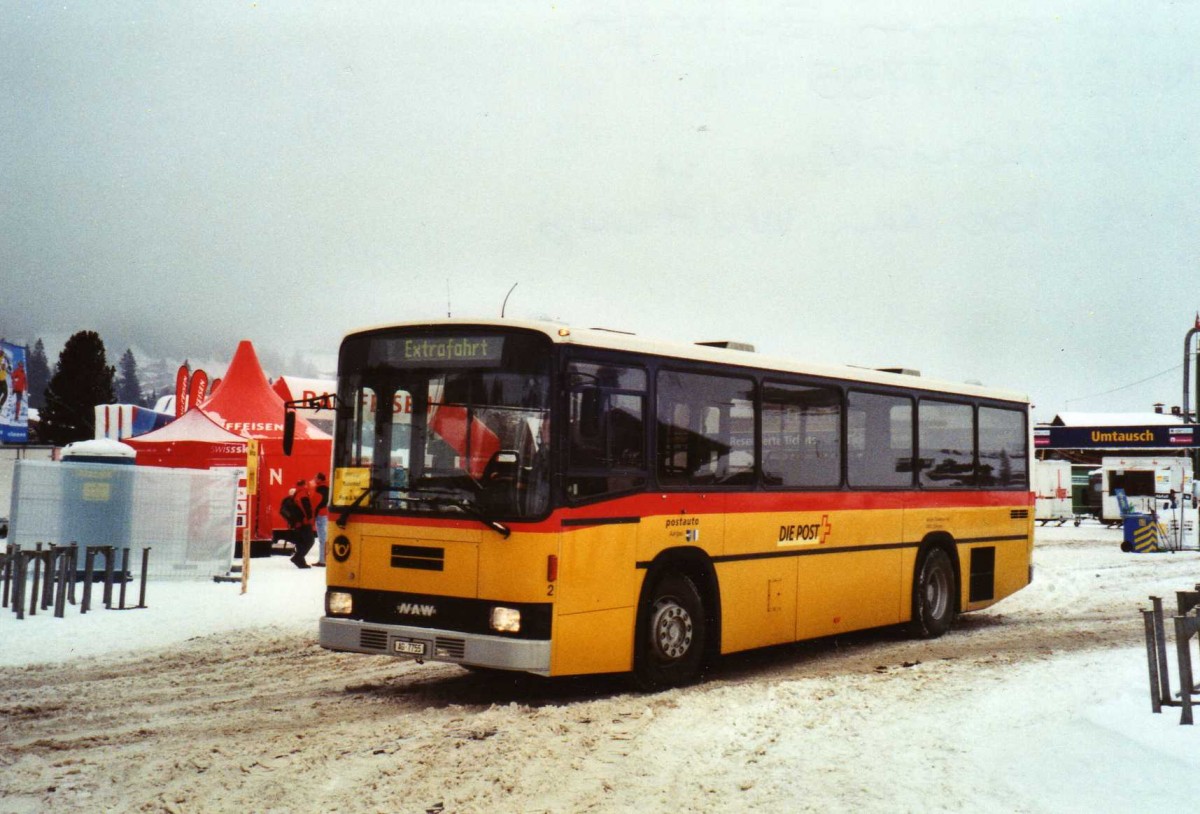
(289, 431)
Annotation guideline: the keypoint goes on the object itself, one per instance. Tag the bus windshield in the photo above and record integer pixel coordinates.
(446, 423)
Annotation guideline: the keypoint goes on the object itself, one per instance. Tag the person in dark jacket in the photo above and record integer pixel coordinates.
(303, 534)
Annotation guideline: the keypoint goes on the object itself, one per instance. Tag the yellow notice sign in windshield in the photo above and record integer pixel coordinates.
(349, 483)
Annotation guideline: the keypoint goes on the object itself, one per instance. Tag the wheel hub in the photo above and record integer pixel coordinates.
(937, 593)
(672, 630)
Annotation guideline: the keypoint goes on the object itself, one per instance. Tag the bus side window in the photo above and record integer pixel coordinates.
(706, 430)
(879, 447)
(606, 431)
(947, 444)
(801, 435)
(1003, 448)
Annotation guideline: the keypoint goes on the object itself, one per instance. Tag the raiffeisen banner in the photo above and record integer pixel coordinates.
(14, 397)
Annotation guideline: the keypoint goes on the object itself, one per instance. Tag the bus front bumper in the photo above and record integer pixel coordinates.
(429, 644)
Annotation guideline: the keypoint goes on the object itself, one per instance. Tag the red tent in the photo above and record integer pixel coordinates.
(245, 404)
(192, 441)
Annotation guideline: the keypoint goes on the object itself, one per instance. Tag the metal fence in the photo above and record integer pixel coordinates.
(188, 516)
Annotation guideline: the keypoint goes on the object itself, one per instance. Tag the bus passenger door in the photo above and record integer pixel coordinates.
(595, 596)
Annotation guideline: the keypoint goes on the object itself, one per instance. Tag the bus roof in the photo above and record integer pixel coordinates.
(622, 341)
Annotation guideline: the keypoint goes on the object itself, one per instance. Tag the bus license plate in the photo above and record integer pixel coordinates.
(409, 648)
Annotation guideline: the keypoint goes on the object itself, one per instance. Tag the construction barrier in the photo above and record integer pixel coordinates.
(44, 577)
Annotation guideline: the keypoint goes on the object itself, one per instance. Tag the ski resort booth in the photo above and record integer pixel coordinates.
(213, 435)
(246, 405)
(1150, 485)
(1147, 457)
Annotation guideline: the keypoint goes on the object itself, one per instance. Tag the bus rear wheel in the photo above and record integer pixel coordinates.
(672, 635)
(934, 592)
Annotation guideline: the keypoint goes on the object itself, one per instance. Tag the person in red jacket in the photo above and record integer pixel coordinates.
(18, 386)
(304, 533)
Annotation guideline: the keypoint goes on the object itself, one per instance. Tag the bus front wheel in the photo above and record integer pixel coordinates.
(934, 591)
(672, 635)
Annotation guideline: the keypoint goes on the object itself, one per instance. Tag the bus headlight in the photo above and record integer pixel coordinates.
(338, 603)
(506, 620)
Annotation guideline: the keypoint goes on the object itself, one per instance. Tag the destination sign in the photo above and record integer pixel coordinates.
(439, 351)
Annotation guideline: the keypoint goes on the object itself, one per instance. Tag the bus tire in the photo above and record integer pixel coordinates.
(672, 635)
(935, 589)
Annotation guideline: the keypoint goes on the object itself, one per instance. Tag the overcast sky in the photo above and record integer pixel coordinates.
(996, 192)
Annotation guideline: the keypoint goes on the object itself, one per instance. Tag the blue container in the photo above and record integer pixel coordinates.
(1141, 533)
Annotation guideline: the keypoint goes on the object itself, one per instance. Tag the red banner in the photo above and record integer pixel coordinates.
(198, 391)
(181, 390)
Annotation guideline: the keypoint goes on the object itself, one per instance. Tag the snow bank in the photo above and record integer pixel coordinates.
(279, 596)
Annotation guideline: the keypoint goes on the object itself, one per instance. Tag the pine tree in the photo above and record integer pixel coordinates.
(129, 389)
(37, 371)
(82, 379)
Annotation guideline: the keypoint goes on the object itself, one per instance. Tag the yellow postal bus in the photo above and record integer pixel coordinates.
(527, 496)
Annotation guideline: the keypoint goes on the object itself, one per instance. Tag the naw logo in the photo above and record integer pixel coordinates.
(413, 609)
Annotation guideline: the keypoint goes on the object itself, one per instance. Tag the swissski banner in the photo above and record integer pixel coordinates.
(14, 396)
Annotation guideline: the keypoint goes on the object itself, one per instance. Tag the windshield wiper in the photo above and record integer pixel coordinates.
(373, 489)
(472, 510)
(435, 498)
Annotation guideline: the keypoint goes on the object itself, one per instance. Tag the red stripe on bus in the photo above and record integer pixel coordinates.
(657, 504)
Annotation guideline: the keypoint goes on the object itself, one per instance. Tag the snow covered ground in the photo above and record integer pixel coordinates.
(278, 596)
(210, 700)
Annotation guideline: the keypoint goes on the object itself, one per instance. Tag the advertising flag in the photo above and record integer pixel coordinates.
(14, 403)
(198, 389)
(182, 381)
